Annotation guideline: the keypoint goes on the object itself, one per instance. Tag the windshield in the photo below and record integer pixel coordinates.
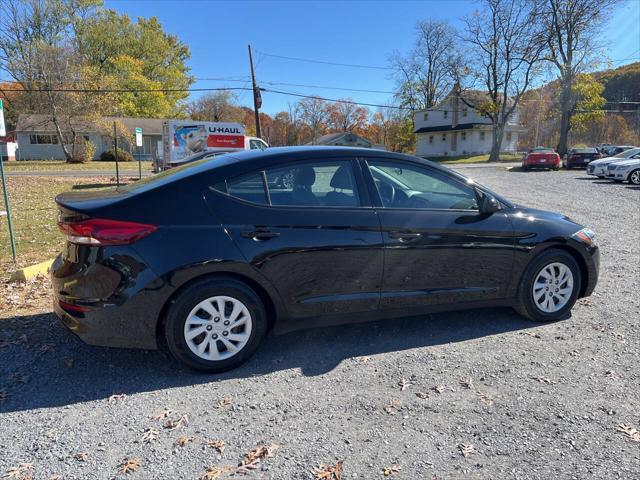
(628, 153)
(585, 150)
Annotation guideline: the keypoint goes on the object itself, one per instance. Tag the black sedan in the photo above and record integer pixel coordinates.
(205, 259)
(581, 157)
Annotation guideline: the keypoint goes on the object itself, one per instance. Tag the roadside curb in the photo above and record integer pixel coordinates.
(27, 273)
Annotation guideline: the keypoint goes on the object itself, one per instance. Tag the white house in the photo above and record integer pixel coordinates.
(454, 127)
(37, 139)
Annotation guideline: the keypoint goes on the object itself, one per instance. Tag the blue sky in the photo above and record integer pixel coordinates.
(354, 32)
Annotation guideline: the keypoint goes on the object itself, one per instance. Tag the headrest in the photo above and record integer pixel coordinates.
(305, 176)
(342, 178)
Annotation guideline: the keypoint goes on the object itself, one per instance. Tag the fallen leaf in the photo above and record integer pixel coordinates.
(225, 402)
(484, 397)
(392, 406)
(161, 415)
(21, 472)
(150, 435)
(129, 465)
(68, 362)
(404, 384)
(422, 395)
(212, 473)
(466, 382)
(466, 449)
(55, 477)
(217, 444)
(629, 432)
(18, 377)
(183, 440)
(393, 469)
(81, 456)
(328, 472)
(47, 347)
(531, 334)
(439, 388)
(116, 397)
(3, 395)
(546, 380)
(173, 424)
(260, 453)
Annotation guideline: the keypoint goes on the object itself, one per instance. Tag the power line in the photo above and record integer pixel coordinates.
(323, 62)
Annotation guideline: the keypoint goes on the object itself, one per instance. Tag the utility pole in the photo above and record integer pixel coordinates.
(257, 98)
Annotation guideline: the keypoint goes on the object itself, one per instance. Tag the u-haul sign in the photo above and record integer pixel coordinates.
(182, 138)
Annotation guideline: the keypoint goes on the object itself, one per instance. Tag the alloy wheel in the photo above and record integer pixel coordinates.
(217, 328)
(635, 177)
(553, 287)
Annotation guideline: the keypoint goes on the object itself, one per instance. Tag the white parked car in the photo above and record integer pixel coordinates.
(626, 170)
(598, 168)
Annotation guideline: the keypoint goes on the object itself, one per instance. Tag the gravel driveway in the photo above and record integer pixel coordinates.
(478, 394)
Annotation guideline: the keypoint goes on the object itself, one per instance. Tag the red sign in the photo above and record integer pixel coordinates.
(225, 141)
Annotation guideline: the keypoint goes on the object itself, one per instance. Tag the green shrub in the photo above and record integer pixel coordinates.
(83, 151)
(109, 156)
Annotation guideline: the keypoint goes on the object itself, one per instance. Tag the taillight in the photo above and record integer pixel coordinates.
(573, 157)
(97, 231)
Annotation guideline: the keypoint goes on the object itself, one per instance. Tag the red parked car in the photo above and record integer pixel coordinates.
(541, 157)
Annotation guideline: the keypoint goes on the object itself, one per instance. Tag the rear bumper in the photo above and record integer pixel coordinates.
(126, 318)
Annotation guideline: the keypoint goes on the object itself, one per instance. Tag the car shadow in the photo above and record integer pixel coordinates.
(43, 365)
(633, 187)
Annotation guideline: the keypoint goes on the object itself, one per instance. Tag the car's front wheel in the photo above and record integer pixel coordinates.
(215, 324)
(634, 177)
(549, 287)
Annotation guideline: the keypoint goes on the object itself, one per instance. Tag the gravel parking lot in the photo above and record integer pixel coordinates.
(477, 394)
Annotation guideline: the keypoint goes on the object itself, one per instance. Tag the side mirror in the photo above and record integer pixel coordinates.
(488, 204)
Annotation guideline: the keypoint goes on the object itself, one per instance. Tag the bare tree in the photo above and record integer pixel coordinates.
(573, 27)
(36, 51)
(219, 106)
(313, 112)
(506, 40)
(431, 69)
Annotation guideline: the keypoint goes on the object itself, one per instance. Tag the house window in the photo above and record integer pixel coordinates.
(444, 137)
(425, 117)
(463, 135)
(508, 136)
(43, 139)
(465, 111)
(446, 113)
(430, 138)
(481, 135)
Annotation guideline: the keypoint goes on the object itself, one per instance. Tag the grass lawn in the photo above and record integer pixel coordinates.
(34, 215)
(61, 166)
(505, 157)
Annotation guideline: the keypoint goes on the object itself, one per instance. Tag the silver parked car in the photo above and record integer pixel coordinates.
(598, 168)
(626, 170)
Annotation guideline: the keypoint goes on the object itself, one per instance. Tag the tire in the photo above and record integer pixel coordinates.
(555, 169)
(600, 176)
(634, 177)
(527, 305)
(250, 317)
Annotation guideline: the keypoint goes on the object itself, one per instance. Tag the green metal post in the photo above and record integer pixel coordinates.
(6, 205)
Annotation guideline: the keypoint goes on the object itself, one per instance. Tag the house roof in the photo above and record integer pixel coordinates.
(472, 98)
(43, 123)
(449, 128)
(334, 138)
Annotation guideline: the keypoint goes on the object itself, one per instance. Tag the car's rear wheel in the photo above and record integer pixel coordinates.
(634, 177)
(549, 287)
(215, 324)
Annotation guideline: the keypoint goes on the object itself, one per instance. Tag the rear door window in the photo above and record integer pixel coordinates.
(249, 188)
(313, 184)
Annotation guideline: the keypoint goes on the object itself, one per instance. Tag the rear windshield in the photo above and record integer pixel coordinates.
(542, 150)
(167, 176)
(585, 150)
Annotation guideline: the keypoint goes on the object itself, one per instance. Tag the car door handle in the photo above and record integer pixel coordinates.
(405, 236)
(260, 234)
